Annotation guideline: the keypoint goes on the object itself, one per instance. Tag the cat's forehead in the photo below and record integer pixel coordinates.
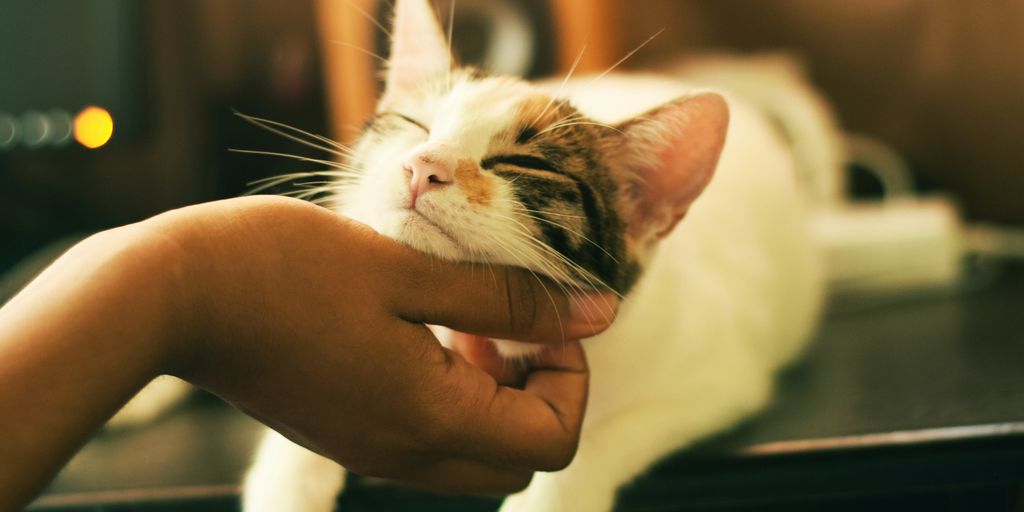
(476, 111)
(480, 107)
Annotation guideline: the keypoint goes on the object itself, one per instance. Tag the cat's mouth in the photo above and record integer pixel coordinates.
(416, 223)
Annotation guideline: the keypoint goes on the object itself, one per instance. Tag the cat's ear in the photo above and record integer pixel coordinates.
(669, 154)
(419, 51)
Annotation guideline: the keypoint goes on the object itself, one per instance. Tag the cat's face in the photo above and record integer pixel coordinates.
(480, 171)
(490, 169)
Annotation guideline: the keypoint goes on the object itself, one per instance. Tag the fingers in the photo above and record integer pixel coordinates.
(537, 427)
(497, 302)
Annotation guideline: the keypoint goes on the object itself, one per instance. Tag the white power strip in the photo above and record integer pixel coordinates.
(903, 246)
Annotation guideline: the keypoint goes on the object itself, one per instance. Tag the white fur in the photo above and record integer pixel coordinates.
(288, 477)
(729, 297)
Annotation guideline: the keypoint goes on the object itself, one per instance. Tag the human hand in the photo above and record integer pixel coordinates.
(314, 324)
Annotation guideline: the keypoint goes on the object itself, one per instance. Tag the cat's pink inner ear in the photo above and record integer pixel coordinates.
(672, 151)
(419, 50)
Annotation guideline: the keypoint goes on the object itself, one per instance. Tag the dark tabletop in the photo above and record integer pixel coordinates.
(893, 400)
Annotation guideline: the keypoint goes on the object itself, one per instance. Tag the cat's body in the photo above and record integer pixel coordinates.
(713, 307)
(730, 296)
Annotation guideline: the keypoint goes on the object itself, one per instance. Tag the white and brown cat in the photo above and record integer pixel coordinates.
(685, 203)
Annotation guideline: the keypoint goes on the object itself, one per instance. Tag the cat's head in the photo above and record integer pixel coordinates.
(490, 169)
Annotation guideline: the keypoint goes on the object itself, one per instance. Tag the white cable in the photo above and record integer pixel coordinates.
(884, 162)
(990, 240)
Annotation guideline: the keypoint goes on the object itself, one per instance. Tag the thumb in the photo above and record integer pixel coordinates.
(498, 302)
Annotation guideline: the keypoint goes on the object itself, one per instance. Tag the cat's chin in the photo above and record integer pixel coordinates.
(422, 234)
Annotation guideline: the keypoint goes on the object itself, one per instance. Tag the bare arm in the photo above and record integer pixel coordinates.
(305, 320)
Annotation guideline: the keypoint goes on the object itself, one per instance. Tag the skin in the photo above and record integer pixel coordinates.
(309, 322)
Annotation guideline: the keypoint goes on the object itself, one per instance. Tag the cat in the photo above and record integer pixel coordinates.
(683, 202)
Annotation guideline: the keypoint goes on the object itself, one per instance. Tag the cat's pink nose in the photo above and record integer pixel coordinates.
(427, 172)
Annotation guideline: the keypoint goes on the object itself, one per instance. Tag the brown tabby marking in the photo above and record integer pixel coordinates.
(574, 202)
(539, 112)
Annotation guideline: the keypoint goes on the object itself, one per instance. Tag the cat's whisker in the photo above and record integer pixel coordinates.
(570, 230)
(561, 87)
(277, 127)
(525, 263)
(297, 175)
(359, 49)
(574, 116)
(566, 215)
(519, 205)
(273, 181)
(591, 280)
(549, 269)
(315, 184)
(524, 212)
(575, 123)
(342, 168)
(293, 132)
(576, 291)
(625, 58)
(371, 19)
(326, 202)
(557, 276)
(338, 178)
(451, 34)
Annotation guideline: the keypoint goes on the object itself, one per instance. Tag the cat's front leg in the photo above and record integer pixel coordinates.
(617, 449)
(585, 486)
(288, 477)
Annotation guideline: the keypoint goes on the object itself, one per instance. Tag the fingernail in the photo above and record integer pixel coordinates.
(592, 313)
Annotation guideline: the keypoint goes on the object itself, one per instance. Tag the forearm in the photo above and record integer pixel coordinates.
(301, 318)
(77, 343)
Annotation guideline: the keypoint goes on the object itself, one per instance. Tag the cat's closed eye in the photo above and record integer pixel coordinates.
(408, 119)
(525, 161)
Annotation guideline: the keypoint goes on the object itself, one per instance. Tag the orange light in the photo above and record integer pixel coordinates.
(93, 127)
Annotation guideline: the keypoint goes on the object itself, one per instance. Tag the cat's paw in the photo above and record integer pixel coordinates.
(288, 477)
(267, 492)
(278, 500)
(552, 498)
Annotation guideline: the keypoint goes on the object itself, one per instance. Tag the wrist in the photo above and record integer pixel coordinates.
(149, 267)
(165, 259)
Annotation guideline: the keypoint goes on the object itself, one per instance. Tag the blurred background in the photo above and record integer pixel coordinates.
(115, 110)
(939, 81)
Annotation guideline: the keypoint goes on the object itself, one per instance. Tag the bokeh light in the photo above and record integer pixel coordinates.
(93, 127)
